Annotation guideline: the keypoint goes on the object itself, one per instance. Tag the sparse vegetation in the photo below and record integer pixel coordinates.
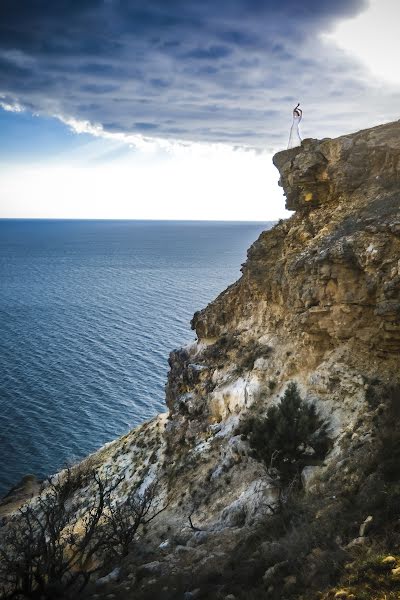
(50, 545)
(53, 545)
(230, 346)
(368, 576)
(123, 519)
(250, 353)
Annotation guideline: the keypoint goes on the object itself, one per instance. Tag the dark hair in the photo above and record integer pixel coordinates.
(297, 110)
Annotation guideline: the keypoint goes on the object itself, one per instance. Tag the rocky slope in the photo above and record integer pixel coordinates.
(318, 304)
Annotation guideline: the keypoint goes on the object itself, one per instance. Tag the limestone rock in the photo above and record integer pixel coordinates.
(320, 170)
(309, 475)
(321, 273)
(364, 527)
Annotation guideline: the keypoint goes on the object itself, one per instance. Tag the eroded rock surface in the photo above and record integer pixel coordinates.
(331, 272)
(318, 303)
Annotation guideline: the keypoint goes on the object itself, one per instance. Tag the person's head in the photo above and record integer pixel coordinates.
(297, 112)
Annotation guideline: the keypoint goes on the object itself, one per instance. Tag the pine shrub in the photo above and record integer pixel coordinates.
(291, 435)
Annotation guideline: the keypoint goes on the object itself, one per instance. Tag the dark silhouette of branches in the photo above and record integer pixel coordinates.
(195, 502)
(286, 489)
(50, 547)
(124, 519)
(193, 527)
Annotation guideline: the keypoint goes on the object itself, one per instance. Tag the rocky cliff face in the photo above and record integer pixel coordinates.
(318, 304)
(318, 301)
(332, 266)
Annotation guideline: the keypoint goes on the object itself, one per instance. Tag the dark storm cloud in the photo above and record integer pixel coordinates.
(212, 53)
(210, 70)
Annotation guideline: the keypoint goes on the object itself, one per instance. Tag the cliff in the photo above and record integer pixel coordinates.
(318, 302)
(317, 305)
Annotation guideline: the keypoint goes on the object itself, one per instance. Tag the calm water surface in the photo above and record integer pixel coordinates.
(89, 311)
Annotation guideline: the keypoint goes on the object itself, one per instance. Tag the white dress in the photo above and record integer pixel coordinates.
(294, 137)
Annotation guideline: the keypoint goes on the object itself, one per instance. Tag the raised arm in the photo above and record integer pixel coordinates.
(297, 111)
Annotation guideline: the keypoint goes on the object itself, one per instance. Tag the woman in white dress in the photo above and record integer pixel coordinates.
(294, 137)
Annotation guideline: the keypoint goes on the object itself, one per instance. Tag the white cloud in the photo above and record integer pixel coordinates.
(193, 182)
(373, 38)
(131, 176)
(10, 106)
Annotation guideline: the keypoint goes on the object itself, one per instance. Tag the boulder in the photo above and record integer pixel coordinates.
(113, 576)
(151, 568)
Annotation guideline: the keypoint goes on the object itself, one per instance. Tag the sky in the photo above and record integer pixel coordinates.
(156, 109)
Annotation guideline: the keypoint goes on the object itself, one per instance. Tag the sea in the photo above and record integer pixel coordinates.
(89, 311)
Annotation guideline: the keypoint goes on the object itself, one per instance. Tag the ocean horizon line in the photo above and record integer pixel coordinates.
(90, 219)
